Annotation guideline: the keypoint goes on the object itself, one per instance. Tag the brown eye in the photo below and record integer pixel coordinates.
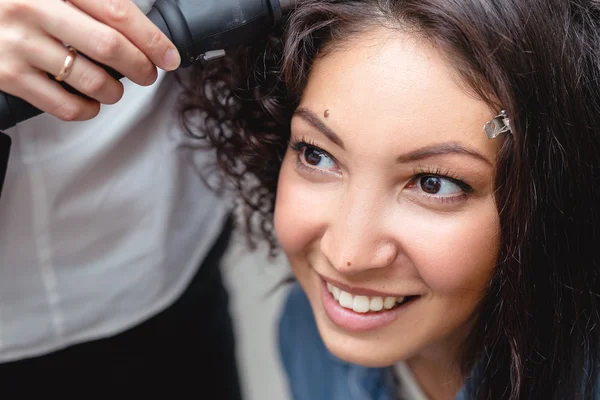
(431, 184)
(440, 186)
(317, 158)
(313, 156)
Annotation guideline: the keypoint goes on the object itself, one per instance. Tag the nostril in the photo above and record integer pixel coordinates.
(354, 254)
(385, 255)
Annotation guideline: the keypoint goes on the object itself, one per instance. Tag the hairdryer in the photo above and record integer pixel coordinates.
(198, 28)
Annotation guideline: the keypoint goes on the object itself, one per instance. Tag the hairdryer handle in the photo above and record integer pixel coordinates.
(5, 143)
(14, 110)
(22, 110)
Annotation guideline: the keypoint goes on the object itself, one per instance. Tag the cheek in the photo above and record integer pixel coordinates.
(299, 208)
(454, 253)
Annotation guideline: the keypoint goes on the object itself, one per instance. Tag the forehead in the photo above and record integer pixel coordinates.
(388, 87)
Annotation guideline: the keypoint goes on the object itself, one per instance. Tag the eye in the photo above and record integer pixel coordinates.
(438, 186)
(312, 159)
(316, 158)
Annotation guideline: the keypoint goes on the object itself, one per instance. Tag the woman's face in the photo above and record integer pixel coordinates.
(385, 204)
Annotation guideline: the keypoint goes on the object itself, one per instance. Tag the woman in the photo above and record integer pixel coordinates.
(431, 172)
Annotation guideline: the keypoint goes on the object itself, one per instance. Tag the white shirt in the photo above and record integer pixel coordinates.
(102, 223)
(409, 387)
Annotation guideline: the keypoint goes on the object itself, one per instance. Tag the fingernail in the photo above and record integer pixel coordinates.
(117, 9)
(172, 59)
(153, 77)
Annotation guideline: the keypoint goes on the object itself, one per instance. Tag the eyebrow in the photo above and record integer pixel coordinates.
(316, 123)
(440, 150)
(416, 155)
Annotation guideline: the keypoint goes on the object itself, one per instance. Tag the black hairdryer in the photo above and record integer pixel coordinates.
(198, 28)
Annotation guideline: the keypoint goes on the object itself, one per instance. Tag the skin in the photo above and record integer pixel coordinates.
(356, 213)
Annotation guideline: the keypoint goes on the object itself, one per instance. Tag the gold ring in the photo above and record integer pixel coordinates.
(68, 64)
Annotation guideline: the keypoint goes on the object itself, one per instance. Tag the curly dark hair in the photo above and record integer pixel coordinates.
(238, 107)
(537, 331)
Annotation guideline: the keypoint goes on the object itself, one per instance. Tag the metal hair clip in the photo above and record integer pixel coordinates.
(497, 125)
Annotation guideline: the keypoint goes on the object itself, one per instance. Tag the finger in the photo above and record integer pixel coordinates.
(84, 76)
(97, 41)
(127, 18)
(36, 88)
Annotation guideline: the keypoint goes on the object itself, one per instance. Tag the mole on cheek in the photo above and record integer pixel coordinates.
(326, 113)
(348, 263)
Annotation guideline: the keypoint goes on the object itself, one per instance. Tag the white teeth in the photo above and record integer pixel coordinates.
(345, 299)
(363, 304)
(389, 302)
(376, 304)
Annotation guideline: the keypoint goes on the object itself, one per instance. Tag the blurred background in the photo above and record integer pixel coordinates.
(255, 307)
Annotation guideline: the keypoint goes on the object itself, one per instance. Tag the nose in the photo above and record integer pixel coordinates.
(357, 239)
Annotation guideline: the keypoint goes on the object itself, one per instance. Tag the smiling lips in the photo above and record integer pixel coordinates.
(363, 304)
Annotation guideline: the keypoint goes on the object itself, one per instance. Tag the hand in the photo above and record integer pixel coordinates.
(113, 32)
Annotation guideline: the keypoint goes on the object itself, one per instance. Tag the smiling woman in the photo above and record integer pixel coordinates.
(430, 170)
(399, 208)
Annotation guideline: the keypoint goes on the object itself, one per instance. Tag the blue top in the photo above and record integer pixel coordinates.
(316, 374)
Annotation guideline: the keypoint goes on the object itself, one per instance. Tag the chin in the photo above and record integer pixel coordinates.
(365, 354)
(366, 350)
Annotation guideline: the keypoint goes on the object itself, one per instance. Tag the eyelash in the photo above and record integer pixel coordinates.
(299, 146)
(421, 172)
